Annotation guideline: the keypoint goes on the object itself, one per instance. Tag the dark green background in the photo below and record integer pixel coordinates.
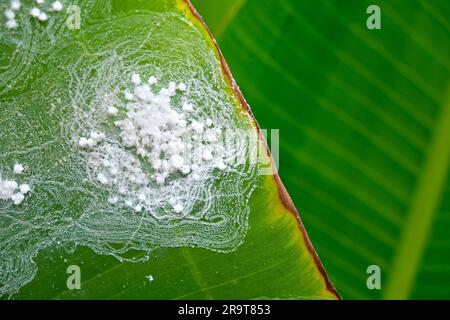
(364, 128)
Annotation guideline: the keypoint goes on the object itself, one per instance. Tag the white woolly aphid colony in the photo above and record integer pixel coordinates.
(120, 166)
(173, 144)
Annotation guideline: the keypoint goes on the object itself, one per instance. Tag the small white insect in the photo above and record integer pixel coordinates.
(113, 200)
(177, 161)
(112, 111)
(10, 15)
(187, 107)
(57, 6)
(83, 142)
(15, 5)
(152, 80)
(129, 96)
(207, 155)
(7, 189)
(197, 126)
(17, 198)
(102, 178)
(11, 24)
(24, 188)
(136, 79)
(35, 12)
(177, 208)
(43, 16)
(18, 168)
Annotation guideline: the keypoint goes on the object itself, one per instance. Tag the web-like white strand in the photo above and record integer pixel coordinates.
(68, 205)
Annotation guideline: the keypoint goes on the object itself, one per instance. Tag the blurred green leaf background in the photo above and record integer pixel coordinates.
(364, 119)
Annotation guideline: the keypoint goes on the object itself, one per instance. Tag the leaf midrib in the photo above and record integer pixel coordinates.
(428, 193)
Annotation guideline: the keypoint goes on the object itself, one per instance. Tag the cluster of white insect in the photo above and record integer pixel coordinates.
(93, 139)
(10, 14)
(11, 190)
(172, 141)
(38, 12)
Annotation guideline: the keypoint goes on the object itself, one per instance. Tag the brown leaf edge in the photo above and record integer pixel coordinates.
(282, 192)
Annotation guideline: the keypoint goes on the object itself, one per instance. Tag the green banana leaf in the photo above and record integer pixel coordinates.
(364, 119)
(55, 77)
